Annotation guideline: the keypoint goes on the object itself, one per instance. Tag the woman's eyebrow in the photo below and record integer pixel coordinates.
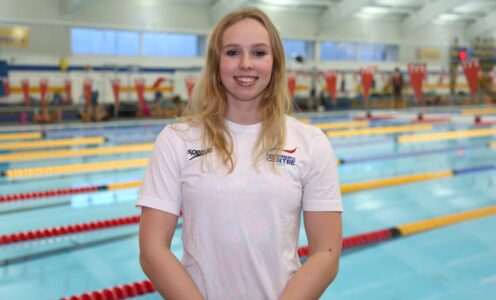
(238, 45)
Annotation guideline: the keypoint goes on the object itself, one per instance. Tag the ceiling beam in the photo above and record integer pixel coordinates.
(483, 25)
(341, 11)
(427, 14)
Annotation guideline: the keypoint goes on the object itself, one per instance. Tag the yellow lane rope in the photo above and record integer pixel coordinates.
(379, 130)
(340, 125)
(20, 136)
(52, 143)
(449, 135)
(56, 154)
(415, 227)
(379, 183)
(479, 111)
(77, 168)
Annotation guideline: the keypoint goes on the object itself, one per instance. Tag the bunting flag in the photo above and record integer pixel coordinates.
(116, 84)
(139, 84)
(68, 90)
(25, 91)
(417, 72)
(158, 82)
(87, 88)
(6, 86)
(367, 75)
(190, 81)
(331, 79)
(43, 91)
(471, 70)
(292, 84)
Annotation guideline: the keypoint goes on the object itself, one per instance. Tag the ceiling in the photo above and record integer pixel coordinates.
(439, 11)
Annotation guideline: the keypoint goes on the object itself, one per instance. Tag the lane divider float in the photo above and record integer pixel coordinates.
(345, 188)
(379, 130)
(21, 136)
(447, 135)
(57, 154)
(133, 289)
(53, 143)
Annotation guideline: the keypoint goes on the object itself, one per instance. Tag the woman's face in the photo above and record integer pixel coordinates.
(245, 61)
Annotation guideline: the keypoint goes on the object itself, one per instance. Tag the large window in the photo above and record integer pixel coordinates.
(104, 42)
(119, 42)
(298, 48)
(357, 51)
(163, 44)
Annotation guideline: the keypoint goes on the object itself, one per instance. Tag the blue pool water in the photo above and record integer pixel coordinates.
(453, 262)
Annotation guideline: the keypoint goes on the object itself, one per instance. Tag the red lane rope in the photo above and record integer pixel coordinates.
(66, 229)
(117, 292)
(50, 193)
(143, 287)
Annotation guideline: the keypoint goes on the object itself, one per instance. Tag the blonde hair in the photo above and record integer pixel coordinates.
(209, 104)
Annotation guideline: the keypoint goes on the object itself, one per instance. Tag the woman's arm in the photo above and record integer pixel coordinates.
(160, 265)
(324, 233)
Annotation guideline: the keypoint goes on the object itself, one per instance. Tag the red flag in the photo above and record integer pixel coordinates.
(139, 83)
(417, 72)
(68, 90)
(158, 82)
(25, 90)
(87, 89)
(116, 83)
(471, 70)
(6, 86)
(330, 79)
(43, 91)
(292, 84)
(190, 85)
(367, 78)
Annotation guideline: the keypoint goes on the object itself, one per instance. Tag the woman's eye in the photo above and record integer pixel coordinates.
(259, 53)
(232, 52)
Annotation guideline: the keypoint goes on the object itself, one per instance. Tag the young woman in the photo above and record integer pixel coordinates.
(242, 171)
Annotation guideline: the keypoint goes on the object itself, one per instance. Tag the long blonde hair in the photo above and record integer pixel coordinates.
(209, 104)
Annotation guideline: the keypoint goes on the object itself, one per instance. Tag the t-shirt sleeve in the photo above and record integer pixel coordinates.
(161, 184)
(321, 190)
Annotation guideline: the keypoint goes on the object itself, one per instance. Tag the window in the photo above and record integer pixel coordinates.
(357, 51)
(294, 48)
(164, 44)
(104, 42)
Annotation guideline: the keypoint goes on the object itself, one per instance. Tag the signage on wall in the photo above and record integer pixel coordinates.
(14, 37)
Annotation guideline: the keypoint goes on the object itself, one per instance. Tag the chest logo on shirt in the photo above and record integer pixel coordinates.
(282, 159)
(197, 153)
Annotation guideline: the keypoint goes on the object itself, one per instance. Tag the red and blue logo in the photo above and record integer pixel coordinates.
(282, 159)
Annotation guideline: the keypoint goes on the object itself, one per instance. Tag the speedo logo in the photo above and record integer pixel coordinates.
(282, 159)
(196, 153)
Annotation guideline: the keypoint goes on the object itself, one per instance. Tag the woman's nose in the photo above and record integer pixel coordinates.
(245, 62)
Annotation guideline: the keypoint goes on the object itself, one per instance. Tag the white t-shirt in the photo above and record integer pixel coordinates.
(240, 231)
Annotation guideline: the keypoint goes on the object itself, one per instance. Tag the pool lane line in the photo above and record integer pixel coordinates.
(446, 135)
(413, 153)
(379, 130)
(57, 154)
(345, 188)
(55, 143)
(28, 208)
(479, 111)
(356, 241)
(76, 168)
(21, 136)
(340, 125)
(69, 191)
(23, 258)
